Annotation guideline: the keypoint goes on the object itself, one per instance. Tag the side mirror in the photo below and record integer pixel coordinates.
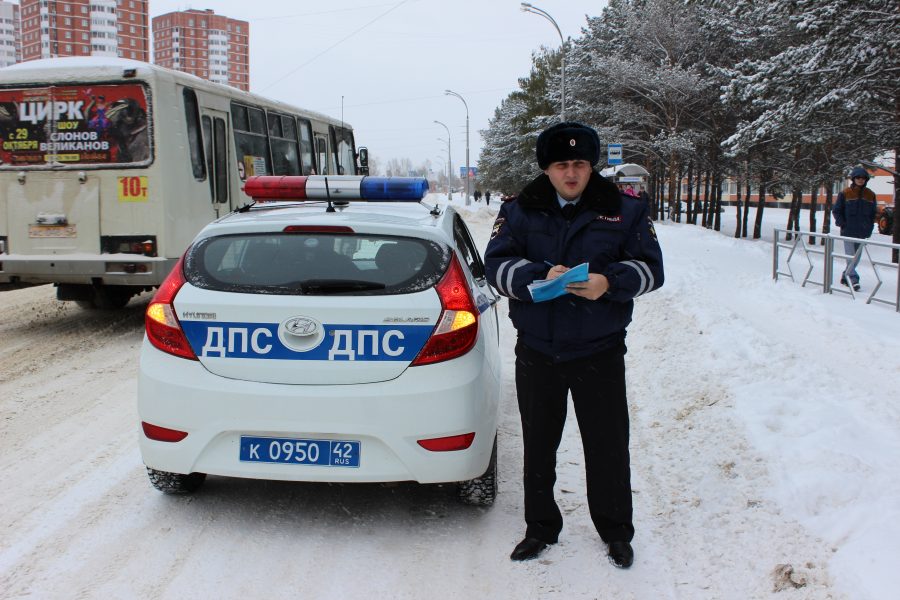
(363, 156)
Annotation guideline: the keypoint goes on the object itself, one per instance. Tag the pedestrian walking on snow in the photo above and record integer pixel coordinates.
(854, 213)
(575, 343)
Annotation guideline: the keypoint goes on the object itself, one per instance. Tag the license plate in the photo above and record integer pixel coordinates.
(322, 453)
(52, 231)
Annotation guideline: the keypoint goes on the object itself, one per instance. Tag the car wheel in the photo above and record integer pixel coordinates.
(175, 483)
(482, 490)
(884, 225)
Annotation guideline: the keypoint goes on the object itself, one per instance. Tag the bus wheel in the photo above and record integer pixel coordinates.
(107, 298)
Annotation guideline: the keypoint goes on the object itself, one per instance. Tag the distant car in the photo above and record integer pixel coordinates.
(331, 341)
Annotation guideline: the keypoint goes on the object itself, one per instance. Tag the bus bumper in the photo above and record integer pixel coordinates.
(106, 269)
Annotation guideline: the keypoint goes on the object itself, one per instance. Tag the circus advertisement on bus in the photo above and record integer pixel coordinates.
(75, 125)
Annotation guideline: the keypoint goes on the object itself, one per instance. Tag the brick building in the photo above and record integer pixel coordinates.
(51, 28)
(204, 44)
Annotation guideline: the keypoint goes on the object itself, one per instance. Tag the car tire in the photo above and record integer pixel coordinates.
(884, 224)
(482, 490)
(175, 483)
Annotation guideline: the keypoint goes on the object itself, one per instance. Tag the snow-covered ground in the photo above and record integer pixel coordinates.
(765, 443)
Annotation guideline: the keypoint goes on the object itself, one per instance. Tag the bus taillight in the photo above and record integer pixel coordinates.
(128, 244)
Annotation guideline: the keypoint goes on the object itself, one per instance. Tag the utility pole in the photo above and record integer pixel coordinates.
(468, 169)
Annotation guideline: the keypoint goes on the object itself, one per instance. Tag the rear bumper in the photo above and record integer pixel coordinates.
(108, 269)
(387, 418)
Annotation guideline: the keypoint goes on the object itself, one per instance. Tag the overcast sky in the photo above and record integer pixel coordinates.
(386, 64)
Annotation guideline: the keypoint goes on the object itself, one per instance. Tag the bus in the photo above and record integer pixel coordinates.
(109, 167)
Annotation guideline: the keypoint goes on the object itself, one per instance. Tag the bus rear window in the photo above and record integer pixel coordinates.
(75, 125)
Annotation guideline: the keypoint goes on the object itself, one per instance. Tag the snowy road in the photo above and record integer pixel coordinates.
(80, 519)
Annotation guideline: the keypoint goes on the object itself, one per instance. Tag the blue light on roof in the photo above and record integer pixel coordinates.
(391, 189)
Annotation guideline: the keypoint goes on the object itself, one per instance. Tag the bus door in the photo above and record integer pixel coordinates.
(54, 213)
(215, 145)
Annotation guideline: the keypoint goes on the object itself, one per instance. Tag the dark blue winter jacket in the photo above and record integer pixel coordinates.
(611, 232)
(854, 212)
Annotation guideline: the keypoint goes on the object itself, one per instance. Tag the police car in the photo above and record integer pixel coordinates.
(338, 329)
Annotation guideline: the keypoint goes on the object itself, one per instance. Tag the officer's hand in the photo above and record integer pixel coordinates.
(593, 288)
(556, 271)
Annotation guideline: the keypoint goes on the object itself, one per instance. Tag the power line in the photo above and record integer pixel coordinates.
(337, 43)
(316, 14)
(415, 99)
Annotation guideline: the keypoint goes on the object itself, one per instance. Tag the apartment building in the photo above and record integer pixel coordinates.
(204, 44)
(10, 46)
(51, 28)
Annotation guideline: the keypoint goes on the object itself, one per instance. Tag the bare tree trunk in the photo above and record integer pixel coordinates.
(717, 201)
(746, 218)
(677, 205)
(813, 207)
(690, 194)
(705, 220)
(826, 217)
(737, 206)
(673, 173)
(757, 226)
(895, 254)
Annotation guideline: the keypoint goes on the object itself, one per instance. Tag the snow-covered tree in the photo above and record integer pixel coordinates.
(508, 161)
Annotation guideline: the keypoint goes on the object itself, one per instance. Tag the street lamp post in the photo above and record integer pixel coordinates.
(449, 161)
(452, 93)
(527, 7)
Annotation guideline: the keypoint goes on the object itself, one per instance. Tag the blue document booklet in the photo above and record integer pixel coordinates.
(548, 289)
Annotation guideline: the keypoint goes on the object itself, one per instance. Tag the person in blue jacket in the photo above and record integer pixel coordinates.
(575, 343)
(854, 213)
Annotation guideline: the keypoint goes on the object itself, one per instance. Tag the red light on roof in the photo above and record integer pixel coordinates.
(287, 187)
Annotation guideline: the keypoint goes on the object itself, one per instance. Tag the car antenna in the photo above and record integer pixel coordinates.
(328, 196)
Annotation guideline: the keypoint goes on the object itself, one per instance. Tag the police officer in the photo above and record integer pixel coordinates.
(574, 343)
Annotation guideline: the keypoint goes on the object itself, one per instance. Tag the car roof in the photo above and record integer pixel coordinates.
(390, 218)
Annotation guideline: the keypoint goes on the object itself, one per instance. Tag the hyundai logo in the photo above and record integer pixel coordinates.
(301, 326)
(301, 334)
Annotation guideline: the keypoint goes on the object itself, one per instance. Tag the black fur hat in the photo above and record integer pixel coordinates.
(568, 141)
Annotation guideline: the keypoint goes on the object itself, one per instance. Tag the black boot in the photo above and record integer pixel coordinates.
(621, 554)
(528, 548)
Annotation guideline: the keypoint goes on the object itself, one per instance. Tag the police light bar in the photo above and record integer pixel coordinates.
(336, 187)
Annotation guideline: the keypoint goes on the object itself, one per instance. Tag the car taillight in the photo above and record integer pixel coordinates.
(448, 444)
(162, 434)
(457, 327)
(162, 325)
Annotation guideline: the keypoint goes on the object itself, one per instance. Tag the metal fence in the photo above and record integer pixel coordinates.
(792, 245)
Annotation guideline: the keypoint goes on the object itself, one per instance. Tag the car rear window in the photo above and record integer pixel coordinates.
(316, 264)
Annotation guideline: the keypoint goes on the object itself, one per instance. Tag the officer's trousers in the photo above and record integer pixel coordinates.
(597, 384)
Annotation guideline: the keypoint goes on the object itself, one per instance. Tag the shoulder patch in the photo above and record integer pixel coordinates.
(498, 226)
(651, 229)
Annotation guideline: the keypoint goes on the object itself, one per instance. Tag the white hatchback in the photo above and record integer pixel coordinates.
(325, 340)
